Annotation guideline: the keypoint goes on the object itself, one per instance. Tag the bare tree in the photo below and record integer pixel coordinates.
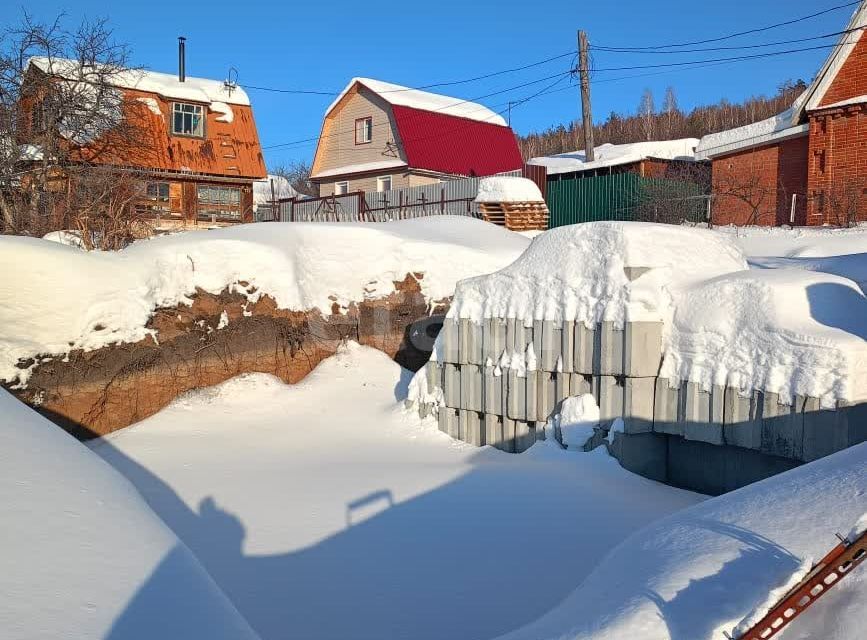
(670, 111)
(298, 175)
(647, 114)
(844, 200)
(63, 122)
(744, 188)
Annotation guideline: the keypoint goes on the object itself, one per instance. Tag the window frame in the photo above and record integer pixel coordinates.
(380, 180)
(219, 209)
(203, 112)
(368, 119)
(344, 189)
(156, 204)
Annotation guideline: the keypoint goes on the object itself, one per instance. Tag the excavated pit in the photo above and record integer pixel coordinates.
(92, 393)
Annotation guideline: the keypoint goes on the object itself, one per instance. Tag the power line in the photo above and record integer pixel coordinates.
(744, 33)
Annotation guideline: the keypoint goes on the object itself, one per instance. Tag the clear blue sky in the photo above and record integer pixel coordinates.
(321, 45)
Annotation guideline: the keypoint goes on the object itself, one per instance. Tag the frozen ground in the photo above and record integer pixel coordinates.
(324, 510)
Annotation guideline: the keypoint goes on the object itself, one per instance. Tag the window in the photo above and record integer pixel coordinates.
(363, 130)
(156, 199)
(219, 202)
(383, 183)
(340, 188)
(188, 120)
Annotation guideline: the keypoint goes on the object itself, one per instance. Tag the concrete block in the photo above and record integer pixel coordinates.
(563, 386)
(516, 401)
(855, 416)
(451, 341)
(525, 435)
(703, 414)
(567, 347)
(493, 430)
(642, 349)
(638, 396)
(471, 387)
(609, 396)
(742, 417)
(551, 346)
(666, 408)
(470, 342)
(434, 375)
(449, 421)
(493, 339)
(782, 428)
(538, 329)
(532, 378)
(825, 431)
(509, 430)
(518, 336)
(585, 341)
(452, 385)
(580, 383)
(472, 428)
(492, 395)
(608, 350)
(645, 454)
(546, 395)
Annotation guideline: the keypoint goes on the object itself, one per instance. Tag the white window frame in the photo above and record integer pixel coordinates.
(341, 188)
(364, 126)
(380, 181)
(188, 110)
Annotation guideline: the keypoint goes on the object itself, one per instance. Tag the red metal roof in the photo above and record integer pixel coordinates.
(451, 144)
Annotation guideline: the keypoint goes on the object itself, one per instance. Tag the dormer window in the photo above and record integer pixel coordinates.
(363, 130)
(188, 119)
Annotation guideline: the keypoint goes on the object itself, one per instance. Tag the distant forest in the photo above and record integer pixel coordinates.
(668, 122)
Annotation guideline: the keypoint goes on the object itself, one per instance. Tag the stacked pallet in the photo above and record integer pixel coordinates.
(516, 216)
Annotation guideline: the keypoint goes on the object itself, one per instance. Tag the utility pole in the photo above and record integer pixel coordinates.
(586, 111)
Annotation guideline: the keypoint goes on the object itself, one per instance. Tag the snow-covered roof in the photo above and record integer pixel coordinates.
(360, 168)
(610, 155)
(262, 189)
(407, 97)
(166, 85)
(508, 189)
(771, 129)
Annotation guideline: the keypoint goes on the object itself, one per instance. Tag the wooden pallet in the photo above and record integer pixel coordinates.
(516, 216)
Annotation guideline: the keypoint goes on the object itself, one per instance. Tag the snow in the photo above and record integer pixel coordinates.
(151, 104)
(166, 85)
(611, 155)
(845, 103)
(773, 597)
(858, 529)
(578, 416)
(225, 111)
(576, 273)
(70, 238)
(83, 556)
(354, 519)
(262, 189)
(68, 299)
(701, 571)
(361, 167)
(404, 96)
(508, 189)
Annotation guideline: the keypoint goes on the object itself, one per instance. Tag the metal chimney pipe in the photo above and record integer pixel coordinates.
(182, 59)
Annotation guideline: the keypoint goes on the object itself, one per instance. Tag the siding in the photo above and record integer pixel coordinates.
(399, 180)
(338, 148)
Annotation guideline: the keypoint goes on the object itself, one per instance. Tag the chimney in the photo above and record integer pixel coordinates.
(182, 59)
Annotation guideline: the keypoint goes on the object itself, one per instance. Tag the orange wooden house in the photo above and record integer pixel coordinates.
(198, 152)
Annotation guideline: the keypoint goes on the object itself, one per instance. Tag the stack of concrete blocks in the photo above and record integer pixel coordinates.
(502, 380)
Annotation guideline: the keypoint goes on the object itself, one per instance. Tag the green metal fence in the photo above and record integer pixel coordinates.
(624, 196)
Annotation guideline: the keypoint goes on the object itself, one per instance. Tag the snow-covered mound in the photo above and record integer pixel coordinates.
(83, 556)
(577, 273)
(65, 298)
(787, 331)
(800, 242)
(508, 189)
(703, 570)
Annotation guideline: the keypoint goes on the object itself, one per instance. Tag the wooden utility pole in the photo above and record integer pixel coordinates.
(586, 110)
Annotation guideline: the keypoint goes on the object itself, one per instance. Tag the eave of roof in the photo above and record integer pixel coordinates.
(708, 153)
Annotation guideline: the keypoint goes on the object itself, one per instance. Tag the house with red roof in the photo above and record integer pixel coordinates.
(807, 165)
(378, 136)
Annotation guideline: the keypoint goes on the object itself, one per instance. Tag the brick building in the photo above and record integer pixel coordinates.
(807, 165)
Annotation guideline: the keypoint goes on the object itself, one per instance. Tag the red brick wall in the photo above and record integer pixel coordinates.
(851, 80)
(838, 166)
(755, 186)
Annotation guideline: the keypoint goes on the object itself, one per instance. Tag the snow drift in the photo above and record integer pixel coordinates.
(83, 556)
(67, 299)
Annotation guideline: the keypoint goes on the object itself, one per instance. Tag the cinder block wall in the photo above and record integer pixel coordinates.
(500, 382)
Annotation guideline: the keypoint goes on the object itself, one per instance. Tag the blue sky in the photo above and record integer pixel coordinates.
(321, 45)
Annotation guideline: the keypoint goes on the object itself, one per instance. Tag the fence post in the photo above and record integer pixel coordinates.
(442, 200)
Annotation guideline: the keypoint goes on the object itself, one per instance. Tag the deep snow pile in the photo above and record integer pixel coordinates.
(351, 519)
(56, 298)
(508, 189)
(83, 556)
(609, 155)
(577, 273)
(703, 570)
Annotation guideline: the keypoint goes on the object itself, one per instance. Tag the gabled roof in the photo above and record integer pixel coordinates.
(163, 84)
(612, 155)
(839, 54)
(398, 95)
